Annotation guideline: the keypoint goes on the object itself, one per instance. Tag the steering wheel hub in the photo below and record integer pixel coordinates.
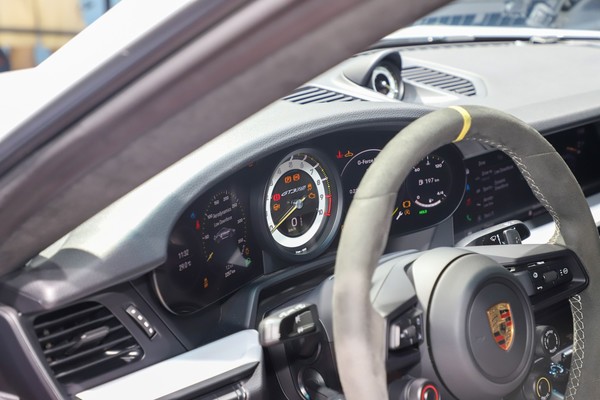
(480, 329)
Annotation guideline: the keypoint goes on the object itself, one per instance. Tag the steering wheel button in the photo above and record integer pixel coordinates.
(394, 337)
(550, 276)
(404, 333)
(304, 323)
(409, 332)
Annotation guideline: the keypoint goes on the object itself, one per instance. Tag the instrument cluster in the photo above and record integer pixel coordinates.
(290, 206)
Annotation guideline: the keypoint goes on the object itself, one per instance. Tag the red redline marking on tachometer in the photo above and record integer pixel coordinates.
(329, 201)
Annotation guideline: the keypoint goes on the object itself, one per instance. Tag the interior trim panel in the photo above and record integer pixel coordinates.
(237, 354)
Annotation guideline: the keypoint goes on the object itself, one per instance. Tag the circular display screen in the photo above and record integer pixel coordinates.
(302, 204)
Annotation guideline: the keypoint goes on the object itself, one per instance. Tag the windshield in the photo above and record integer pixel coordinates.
(560, 14)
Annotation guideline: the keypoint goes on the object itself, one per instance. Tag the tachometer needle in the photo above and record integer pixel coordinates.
(297, 204)
(210, 256)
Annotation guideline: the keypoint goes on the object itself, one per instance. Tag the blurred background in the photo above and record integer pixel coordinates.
(30, 30)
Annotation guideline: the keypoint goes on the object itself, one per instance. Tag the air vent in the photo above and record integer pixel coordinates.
(83, 341)
(439, 80)
(311, 94)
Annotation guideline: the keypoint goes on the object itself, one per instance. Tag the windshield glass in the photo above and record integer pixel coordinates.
(32, 30)
(561, 14)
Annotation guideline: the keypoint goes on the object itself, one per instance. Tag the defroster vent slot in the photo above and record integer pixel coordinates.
(439, 80)
(312, 94)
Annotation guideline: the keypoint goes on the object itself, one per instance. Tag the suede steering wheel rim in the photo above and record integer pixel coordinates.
(359, 331)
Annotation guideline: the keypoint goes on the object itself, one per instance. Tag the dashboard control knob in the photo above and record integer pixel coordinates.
(547, 341)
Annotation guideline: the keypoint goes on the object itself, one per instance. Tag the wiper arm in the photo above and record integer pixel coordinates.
(421, 40)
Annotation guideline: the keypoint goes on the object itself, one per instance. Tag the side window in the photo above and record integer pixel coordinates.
(32, 30)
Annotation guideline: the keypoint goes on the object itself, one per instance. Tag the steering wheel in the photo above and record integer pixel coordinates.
(462, 295)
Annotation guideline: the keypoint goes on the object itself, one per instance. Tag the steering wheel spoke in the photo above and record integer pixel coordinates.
(394, 298)
(548, 273)
(392, 291)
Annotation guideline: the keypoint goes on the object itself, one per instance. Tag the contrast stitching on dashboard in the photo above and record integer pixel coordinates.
(527, 175)
(578, 347)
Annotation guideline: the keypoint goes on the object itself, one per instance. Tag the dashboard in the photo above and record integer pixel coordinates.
(184, 268)
(289, 208)
(268, 232)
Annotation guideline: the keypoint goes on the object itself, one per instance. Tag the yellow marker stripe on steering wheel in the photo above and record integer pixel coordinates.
(466, 123)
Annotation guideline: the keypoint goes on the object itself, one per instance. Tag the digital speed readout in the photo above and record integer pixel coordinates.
(430, 181)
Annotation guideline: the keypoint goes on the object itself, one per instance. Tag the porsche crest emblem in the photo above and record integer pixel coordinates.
(501, 324)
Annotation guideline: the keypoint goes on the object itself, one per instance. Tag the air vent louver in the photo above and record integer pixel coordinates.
(311, 94)
(83, 341)
(440, 80)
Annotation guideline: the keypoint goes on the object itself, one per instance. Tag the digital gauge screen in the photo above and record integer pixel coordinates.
(210, 253)
(497, 192)
(429, 195)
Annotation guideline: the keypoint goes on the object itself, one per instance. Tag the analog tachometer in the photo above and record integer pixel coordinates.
(302, 204)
